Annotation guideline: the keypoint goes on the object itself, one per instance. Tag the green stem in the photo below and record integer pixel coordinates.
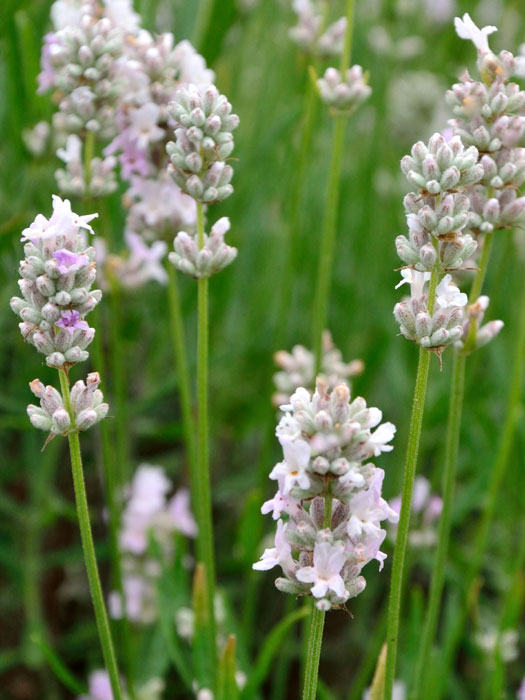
(449, 477)
(315, 638)
(440, 557)
(183, 373)
(89, 154)
(328, 234)
(203, 506)
(95, 587)
(314, 653)
(416, 421)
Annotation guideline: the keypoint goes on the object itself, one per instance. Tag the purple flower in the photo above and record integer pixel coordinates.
(71, 321)
(68, 261)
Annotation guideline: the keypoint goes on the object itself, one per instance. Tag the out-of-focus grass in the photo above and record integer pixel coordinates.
(263, 75)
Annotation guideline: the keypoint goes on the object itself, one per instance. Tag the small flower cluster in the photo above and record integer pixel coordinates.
(148, 512)
(212, 257)
(57, 274)
(79, 61)
(297, 368)
(203, 142)
(426, 508)
(344, 94)
(71, 179)
(87, 404)
(490, 115)
(436, 330)
(330, 493)
(99, 688)
(309, 33)
(438, 217)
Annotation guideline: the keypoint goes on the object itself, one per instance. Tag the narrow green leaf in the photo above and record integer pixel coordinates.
(201, 652)
(268, 651)
(377, 689)
(227, 684)
(60, 670)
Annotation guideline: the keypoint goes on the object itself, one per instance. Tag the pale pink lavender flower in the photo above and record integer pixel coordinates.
(70, 262)
(416, 280)
(467, 29)
(70, 321)
(293, 467)
(325, 574)
(521, 690)
(447, 294)
(280, 555)
(63, 222)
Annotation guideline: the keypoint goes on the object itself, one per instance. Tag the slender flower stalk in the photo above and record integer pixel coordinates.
(331, 206)
(203, 142)
(181, 365)
(203, 504)
(57, 274)
(497, 476)
(502, 170)
(95, 587)
(394, 605)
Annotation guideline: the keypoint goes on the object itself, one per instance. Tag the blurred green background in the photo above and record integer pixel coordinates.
(412, 58)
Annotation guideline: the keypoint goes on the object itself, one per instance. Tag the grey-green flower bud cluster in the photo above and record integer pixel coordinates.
(504, 210)
(78, 60)
(57, 272)
(203, 142)
(435, 228)
(345, 93)
(437, 330)
(474, 314)
(87, 404)
(441, 166)
(207, 259)
(297, 368)
(72, 178)
(309, 34)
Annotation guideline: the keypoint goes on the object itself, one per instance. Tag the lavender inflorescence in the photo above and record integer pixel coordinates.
(203, 142)
(57, 272)
(330, 493)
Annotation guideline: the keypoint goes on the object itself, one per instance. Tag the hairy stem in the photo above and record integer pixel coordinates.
(203, 506)
(97, 597)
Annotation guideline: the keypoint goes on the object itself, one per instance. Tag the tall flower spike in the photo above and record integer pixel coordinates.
(203, 142)
(57, 273)
(330, 494)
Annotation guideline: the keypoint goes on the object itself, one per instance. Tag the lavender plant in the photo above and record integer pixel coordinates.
(56, 277)
(203, 142)
(332, 497)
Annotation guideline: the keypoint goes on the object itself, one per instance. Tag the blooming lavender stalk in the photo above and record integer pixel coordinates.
(203, 142)
(57, 273)
(437, 214)
(331, 495)
(489, 115)
(342, 91)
